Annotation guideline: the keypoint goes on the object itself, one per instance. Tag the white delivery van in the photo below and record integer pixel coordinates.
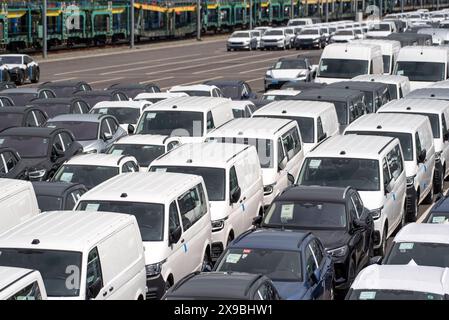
(80, 255)
(423, 65)
(317, 120)
(189, 118)
(390, 50)
(21, 284)
(172, 211)
(438, 113)
(233, 179)
(398, 86)
(372, 165)
(345, 61)
(279, 147)
(415, 134)
(381, 29)
(18, 203)
(440, 36)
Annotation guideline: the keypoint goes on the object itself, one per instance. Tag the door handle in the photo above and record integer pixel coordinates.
(182, 240)
(111, 289)
(105, 293)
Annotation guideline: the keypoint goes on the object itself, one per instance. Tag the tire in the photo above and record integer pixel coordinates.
(20, 78)
(383, 246)
(352, 272)
(228, 49)
(36, 76)
(168, 285)
(229, 240)
(207, 263)
(438, 181)
(413, 216)
(429, 198)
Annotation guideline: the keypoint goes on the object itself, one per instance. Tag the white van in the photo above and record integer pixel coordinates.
(154, 97)
(438, 113)
(345, 61)
(372, 165)
(279, 147)
(440, 36)
(390, 50)
(300, 22)
(423, 65)
(18, 203)
(85, 255)
(172, 211)
(21, 284)
(317, 120)
(233, 180)
(398, 86)
(189, 118)
(381, 29)
(415, 134)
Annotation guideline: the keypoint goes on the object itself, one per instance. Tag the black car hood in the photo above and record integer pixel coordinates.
(332, 238)
(36, 163)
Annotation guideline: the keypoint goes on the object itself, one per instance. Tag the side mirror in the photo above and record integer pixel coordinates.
(131, 129)
(93, 289)
(235, 195)
(315, 276)
(291, 179)
(107, 136)
(446, 136)
(375, 260)
(422, 156)
(174, 236)
(257, 221)
(282, 164)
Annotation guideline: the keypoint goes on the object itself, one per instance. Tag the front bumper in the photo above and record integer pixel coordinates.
(155, 287)
(306, 44)
(219, 239)
(237, 46)
(272, 44)
(341, 267)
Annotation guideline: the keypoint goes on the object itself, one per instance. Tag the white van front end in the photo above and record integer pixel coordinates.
(374, 201)
(158, 268)
(273, 184)
(221, 226)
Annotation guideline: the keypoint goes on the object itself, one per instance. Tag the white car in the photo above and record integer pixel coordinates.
(144, 147)
(275, 38)
(345, 35)
(127, 113)
(242, 40)
(198, 90)
(243, 108)
(92, 169)
(275, 95)
(288, 70)
(159, 96)
(392, 282)
(20, 67)
(382, 29)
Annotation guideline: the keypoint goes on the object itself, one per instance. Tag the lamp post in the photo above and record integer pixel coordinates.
(131, 43)
(44, 29)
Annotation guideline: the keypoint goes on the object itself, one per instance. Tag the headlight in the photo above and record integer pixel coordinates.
(338, 252)
(268, 74)
(280, 40)
(376, 213)
(410, 181)
(218, 225)
(154, 269)
(267, 190)
(91, 151)
(316, 40)
(37, 174)
(301, 74)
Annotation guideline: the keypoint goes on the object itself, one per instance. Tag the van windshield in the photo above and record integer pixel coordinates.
(214, 178)
(56, 267)
(149, 216)
(90, 176)
(344, 33)
(362, 174)
(175, 123)
(306, 126)
(342, 68)
(297, 23)
(421, 71)
(144, 154)
(264, 148)
(404, 138)
(392, 89)
(379, 294)
(434, 121)
(386, 60)
(422, 253)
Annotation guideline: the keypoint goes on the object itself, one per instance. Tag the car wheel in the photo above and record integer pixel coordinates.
(20, 78)
(36, 76)
(229, 240)
(351, 272)
(438, 183)
(429, 198)
(383, 246)
(228, 49)
(167, 285)
(207, 264)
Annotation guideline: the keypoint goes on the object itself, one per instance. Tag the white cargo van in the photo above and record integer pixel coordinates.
(423, 65)
(172, 211)
(415, 134)
(398, 86)
(233, 179)
(346, 60)
(316, 119)
(80, 255)
(279, 147)
(189, 118)
(18, 203)
(381, 29)
(390, 50)
(438, 113)
(372, 165)
(21, 284)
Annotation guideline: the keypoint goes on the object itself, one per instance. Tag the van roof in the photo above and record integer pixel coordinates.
(8, 186)
(151, 187)
(416, 106)
(121, 104)
(384, 78)
(423, 53)
(385, 45)
(359, 85)
(144, 139)
(352, 51)
(440, 84)
(264, 128)
(403, 277)
(9, 275)
(387, 122)
(424, 232)
(351, 146)
(199, 104)
(429, 93)
(107, 160)
(329, 94)
(301, 108)
(63, 230)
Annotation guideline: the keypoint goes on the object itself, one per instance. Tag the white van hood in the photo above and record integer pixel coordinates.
(288, 73)
(307, 147)
(328, 80)
(419, 84)
(218, 210)
(278, 38)
(155, 251)
(268, 176)
(372, 199)
(410, 168)
(378, 34)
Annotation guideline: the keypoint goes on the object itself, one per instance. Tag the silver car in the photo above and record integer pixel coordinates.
(95, 132)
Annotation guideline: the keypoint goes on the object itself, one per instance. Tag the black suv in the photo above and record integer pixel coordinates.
(335, 215)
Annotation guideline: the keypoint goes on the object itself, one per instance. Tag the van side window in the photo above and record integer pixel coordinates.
(371, 69)
(94, 277)
(394, 160)
(418, 144)
(444, 125)
(320, 130)
(291, 142)
(401, 95)
(386, 173)
(357, 203)
(192, 206)
(281, 154)
(173, 217)
(210, 122)
(30, 292)
(233, 181)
